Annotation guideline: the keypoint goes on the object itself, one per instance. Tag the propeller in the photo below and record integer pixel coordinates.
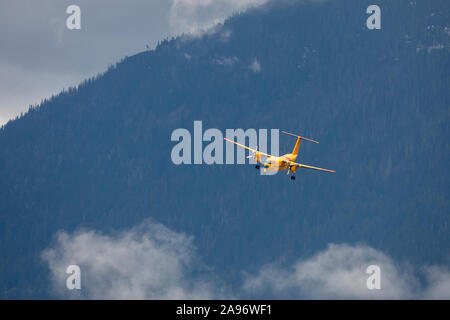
(254, 154)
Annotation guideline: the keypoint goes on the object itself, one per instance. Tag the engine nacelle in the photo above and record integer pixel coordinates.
(258, 157)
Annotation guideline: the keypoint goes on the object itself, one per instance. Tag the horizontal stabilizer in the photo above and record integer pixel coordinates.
(303, 138)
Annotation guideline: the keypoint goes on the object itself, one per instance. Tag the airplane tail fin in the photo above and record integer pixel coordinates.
(299, 140)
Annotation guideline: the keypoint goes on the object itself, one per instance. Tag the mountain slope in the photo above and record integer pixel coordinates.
(98, 156)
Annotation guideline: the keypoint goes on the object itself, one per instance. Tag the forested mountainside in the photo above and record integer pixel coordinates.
(98, 155)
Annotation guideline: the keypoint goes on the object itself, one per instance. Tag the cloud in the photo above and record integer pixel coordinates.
(439, 283)
(191, 16)
(152, 262)
(339, 272)
(146, 262)
(255, 66)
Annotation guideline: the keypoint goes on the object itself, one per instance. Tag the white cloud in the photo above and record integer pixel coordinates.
(255, 66)
(439, 283)
(147, 262)
(191, 16)
(339, 272)
(153, 262)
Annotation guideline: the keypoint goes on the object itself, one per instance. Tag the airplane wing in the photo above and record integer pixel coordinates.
(245, 147)
(291, 163)
(294, 164)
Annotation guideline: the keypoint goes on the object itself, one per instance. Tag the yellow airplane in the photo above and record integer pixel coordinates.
(287, 161)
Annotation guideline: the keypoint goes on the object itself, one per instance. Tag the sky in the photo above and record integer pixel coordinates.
(40, 56)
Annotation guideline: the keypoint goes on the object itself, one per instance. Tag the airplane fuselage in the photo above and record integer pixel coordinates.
(277, 163)
(284, 162)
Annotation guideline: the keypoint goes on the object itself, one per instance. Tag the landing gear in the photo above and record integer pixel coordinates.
(257, 167)
(292, 177)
